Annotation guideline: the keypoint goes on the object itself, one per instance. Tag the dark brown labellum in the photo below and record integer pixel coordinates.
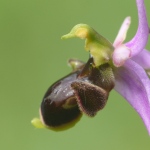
(85, 90)
(59, 105)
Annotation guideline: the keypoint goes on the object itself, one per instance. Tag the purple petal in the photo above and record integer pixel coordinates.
(143, 59)
(139, 41)
(121, 36)
(134, 85)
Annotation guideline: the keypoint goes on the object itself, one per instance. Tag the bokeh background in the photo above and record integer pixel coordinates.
(32, 57)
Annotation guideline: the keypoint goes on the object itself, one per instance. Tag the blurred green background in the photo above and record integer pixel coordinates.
(32, 57)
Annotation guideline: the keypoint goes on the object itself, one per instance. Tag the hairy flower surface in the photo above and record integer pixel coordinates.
(122, 66)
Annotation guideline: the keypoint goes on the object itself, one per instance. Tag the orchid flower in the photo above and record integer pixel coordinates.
(122, 66)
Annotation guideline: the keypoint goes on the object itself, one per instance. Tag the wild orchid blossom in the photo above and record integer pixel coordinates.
(122, 66)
